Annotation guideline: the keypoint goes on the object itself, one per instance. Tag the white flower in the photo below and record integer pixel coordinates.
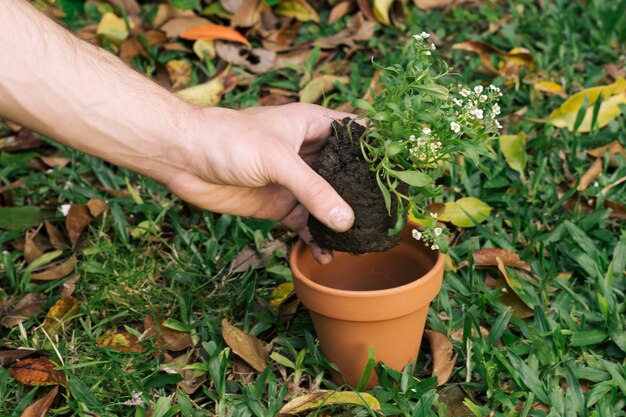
(498, 125)
(494, 88)
(432, 46)
(418, 37)
(479, 114)
(465, 92)
(496, 109)
(427, 53)
(456, 128)
(434, 247)
(438, 231)
(426, 131)
(425, 35)
(483, 98)
(417, 235)
(412, 138)
(65, 209)
(433, 215)
(135, 400)
(458, 102)
(478, 89)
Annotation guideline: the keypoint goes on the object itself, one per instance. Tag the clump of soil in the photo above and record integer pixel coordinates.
(341, 163)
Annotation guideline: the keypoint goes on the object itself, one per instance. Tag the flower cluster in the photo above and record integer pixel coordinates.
(418, 122)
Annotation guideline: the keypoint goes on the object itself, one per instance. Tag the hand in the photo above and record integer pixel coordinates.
(256, 162)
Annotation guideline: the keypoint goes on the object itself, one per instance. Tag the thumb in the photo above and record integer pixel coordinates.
(314, 193)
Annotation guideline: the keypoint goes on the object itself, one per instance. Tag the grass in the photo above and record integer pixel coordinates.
(565, 360)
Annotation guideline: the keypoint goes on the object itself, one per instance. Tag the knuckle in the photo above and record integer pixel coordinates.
(316, 188)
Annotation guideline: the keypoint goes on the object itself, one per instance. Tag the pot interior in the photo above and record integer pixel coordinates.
(372, 271)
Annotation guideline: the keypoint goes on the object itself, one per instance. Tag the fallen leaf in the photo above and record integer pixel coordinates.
(257, 60)
(443, 361)
(439, 4)
(22, 217)
(179, 25)
(56, 238)
(12, 186)
(618, 211)
(281, 293)
(34, 248)
(119, 341)
(283, 38)
(614, 148)
(7, 357)
(550, 87)
(214, 32)
(24, 140)
(55, 162)
(381, 11)
(40, 407)
(97, 207)
(453, 397)
(457, 335)
(56, 271)
(133, 47)
(319, 86)
(357, 30)
(613, 95)
(276, 100)
(131, 7)
(76, 220)
(457, 212)
(28, 307)
(323, 397)
(231, 6)
(338, 11)
(68, 287)
(248, 14)
(510, 294)
(248, 257)
(207, 94)
(179, 71)
(510, 63)
(246, 346)
(513, 148)
(298, 9)
(64, 310)
(37, 372)
(168, 338)
(615, 71)
(204, 49)
(489, 257)
(113, 28)
(590, 175)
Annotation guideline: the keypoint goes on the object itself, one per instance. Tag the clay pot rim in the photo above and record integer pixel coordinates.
(421, 281)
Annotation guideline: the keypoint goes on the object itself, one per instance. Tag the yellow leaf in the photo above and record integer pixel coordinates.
(381, 11)
(319, 86)
(613, 95)
(514, 150)
(280, 294)
(204, 49)
(207, 94)
(60, 313)
(119, 341)
(457, 212)
(113, 28)
(322, 398)
(298, 9)
(550, 87)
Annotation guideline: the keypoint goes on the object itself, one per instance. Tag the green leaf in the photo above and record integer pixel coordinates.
(359, 103)
(588, 337)
(15, 218)
(286, 362)
(186, 4)
(414, 178)
(367, 371)
(83, 394)
(459, 212)
(514, 150)
(434, 90)
(322, 398)
(385, 192)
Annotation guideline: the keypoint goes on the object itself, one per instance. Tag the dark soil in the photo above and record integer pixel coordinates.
(341, 164)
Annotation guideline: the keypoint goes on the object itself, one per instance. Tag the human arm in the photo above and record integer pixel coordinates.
(250, 163)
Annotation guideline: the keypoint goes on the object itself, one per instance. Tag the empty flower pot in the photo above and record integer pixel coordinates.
(380, 299)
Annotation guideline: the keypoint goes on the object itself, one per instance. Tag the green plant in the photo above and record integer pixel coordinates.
(419, 120)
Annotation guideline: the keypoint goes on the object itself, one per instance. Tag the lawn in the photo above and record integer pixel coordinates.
(122, 290)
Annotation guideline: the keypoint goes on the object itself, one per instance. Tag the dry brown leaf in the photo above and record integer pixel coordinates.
(457, 335)
(590, 175)
(248, 257)
(298, 9)
(119, 341)
(40, 407)
(246, 346)
(37, 372)
(64, 310)
(618, 211)
(34, 247)
(440, 4)
(7, 357)
(131, 7)
(24, 140)
(443, 361)
(283, 38)
(248, 14)
(614, 148)
(366, 10)
(56, 238)
(77, 219)
(68, 287)
(55, 162)
(615, 71)
(28, 307)
(319, 86)
(338, 11)
(175, 27)
(276, 100)
(56, 271)
(489, 257)
(257, 60)
(97, 207)
(12, 186)
(295, 59)
(358, 29)
(179, 71)
(168, 338)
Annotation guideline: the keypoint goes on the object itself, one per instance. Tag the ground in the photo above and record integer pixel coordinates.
(546, 340)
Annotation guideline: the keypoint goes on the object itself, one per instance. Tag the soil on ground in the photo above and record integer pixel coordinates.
(341, 163)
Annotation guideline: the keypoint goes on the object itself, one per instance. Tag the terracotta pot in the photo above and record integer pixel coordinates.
(377, 299)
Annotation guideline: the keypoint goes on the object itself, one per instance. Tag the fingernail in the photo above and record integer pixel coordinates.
(341, 218)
